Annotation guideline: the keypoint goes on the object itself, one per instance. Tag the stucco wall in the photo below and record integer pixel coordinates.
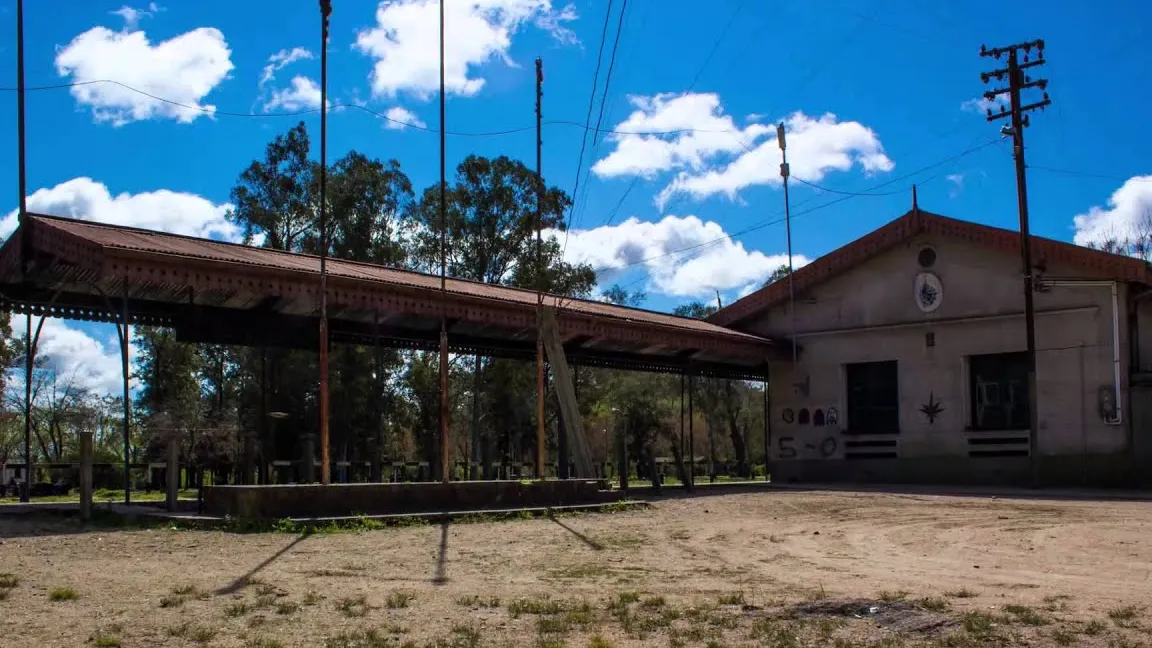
(870, 314)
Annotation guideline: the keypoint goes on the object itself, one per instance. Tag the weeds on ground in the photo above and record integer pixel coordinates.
(262, 642)
(1094, 627)
(237, 609)
(192, 632)
(61, 594)
(105, 641)
(1056, 602)
(1125, 617)
(963, 592)
(934, 604)
(600, 642)
(399, 600)
(312, 598)
(733, 598)
(1025, 615)
(368, 638)
(9, 581)
(353, 606)
(889, 596)
(287, 607)
(478, 601)
(539, 606)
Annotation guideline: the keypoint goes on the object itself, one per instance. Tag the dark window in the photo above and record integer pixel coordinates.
(926, 257)
(873, 398)
(998, 384)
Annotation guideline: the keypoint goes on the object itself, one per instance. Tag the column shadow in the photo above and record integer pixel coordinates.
(243, 581)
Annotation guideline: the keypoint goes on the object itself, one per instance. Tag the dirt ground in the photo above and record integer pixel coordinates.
(753, 569)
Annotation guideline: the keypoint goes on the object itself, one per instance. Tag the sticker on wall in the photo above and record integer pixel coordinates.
(929, 292)
(932, 408)
(788, 415)
(833, 416)
(818, 418)
(803, 417)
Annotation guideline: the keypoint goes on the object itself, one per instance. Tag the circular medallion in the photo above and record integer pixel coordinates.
(929, 292)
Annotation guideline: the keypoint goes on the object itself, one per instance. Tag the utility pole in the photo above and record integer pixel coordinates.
(539, 270)
(25, 248)
(325, 467)
(1017, 82)
(785, 172)
(445, 449)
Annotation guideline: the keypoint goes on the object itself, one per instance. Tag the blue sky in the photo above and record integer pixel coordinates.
(871, 93)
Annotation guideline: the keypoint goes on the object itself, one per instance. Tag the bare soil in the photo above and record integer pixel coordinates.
(751, 569)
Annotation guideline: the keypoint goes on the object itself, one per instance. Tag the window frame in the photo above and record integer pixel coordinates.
(1011, 370)
(888, 420)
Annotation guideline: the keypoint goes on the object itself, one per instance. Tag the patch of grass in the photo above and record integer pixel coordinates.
(579, 572)
(4, 594)
(622, 541)
(934, 604)
(9, 581)
(980, 624)
(653, 602)
(774, 632)
(1056, 602)
(1094, 627)
(581, 614)
(596, 641)
(368, 638)
(262, 642)
(478, 601)
(1125, 617)
(1063, 637)
(678, 534)
(287, 607)
(266, 589)
(733, 598)
(106, 641)
(1025, 615)
(60, 594)
(171, 601)
(312, 598)
(465, 637)
(552, 625)
(963, 592)
(399, 600)
(891, 596)
(237, 609)
(192, 632)
(257, 621)
(541, 606)
(353, 606)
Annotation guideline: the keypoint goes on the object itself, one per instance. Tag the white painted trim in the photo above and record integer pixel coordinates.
(943, 321)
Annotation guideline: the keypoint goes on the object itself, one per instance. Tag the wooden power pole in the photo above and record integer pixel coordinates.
(1018, 81)
(539, 270)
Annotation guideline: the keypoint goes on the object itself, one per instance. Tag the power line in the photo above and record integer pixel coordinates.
(1087, 174)
(768, 222)
(314, 111)
(591, 103)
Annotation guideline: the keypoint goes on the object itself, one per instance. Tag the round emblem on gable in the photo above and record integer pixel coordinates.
(929, 292)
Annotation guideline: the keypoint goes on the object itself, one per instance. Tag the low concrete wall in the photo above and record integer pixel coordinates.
(1089, 471)
(313, 500)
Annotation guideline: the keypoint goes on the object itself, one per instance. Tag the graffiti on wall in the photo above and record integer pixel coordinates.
(825, 449)
(932, 409)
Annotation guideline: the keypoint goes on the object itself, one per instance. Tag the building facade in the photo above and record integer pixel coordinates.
(910, 361)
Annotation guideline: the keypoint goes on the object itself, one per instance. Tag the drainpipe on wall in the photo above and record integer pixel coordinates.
(1118, 419)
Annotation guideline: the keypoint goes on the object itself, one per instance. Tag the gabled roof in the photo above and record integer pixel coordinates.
(1094, 263)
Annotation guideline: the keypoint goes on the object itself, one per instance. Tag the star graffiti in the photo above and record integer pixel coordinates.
(932, 408)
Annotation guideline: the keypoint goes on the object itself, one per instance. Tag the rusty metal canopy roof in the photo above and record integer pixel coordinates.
(211, 291)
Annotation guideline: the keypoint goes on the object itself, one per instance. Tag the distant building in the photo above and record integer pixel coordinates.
(911, 363)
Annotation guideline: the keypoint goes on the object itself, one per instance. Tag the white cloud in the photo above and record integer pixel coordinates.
(710, 261)
(400, 118)
(132, 15)
(1127, 209)
(713, 133)
(405, 41)
(816, 146)
(280, 60)
(982, 105)
(957, 180)
(75, 356)
(164, 210)
(183, 69)
(302, 94)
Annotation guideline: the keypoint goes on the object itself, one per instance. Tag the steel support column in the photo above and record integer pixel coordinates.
(691, 439)
(122, 330)
(767, 422)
